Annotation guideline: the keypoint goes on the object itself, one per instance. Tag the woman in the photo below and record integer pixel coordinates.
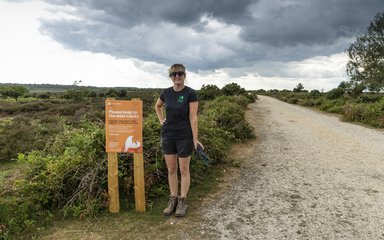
(178, 136)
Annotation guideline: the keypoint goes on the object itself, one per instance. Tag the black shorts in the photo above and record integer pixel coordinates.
(181, 147)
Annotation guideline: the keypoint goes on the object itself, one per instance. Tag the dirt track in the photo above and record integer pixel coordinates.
(309, 176)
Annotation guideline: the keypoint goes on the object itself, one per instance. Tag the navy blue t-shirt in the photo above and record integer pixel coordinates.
(177, 124)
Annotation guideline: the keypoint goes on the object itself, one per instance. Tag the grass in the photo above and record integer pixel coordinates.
(134, 225)
(4, 122)
(9, 173)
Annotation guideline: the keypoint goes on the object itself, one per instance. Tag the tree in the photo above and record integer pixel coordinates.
(314, 94)
(111, 92)
(76, 95)
(122, 93)
(344, 85)
(298, 88)
(335, 93)
(366, 57)
(233, 89)
(209, 92)
(92, 94)
(13, 91)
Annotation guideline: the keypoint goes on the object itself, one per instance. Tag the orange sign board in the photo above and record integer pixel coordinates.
(124, 126)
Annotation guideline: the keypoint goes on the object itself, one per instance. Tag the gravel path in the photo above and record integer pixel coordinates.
(309, 176)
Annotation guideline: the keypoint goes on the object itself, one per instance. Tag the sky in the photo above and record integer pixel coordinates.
(258, 44)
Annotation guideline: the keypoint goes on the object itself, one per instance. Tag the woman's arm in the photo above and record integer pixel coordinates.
(193, 106)
(159, 110)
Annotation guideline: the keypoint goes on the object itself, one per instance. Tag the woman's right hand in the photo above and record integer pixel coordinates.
(162, 122)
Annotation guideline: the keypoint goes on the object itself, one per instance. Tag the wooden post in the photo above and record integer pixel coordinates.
(113, 183)
(117, 112)
(139, 181)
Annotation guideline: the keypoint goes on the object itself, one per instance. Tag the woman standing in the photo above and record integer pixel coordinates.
(178, 136)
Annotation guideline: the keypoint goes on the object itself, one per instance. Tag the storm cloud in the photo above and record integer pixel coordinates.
(210, 34)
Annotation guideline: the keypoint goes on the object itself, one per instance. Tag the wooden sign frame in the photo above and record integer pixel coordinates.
(127, 118)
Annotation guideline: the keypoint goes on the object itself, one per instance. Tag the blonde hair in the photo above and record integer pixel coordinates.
(177, 67)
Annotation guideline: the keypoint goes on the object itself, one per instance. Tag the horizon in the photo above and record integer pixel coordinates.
(149, 88)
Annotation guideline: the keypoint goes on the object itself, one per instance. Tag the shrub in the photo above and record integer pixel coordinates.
(44, 96)
(293, 100)
(335, 93)
(22, 135)
(35, 106)
(229, 116)
(241, 100)
(353, 112)
(369, 97)
(371, 114)
(333, 106)
(75, 95)
(298, 88)
(304, 102)
(252, 96)
(314, 94)
(155, 168)
(209, 92)
(232, 89)
(68, 178)
(13, 91)
(216, 140)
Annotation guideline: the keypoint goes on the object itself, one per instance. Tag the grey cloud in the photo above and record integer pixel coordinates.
(310, 22)
(175, 31)
(180, 12)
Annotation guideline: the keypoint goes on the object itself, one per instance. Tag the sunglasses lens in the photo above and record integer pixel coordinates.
(180, 74)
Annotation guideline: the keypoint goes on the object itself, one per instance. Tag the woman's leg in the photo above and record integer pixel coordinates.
(171, 161)
(185, 175)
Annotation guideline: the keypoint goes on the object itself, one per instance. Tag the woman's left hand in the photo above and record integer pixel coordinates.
(196, 143)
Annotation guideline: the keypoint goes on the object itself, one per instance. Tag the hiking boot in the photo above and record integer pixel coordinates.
(171, 208)
(181, 209)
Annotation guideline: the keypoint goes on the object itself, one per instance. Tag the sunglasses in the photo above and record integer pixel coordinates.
(174, 74)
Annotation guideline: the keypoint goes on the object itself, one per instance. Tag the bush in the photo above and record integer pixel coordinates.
(241, 100)
(314, 94)
(333, 106)
(298, 88)
(293, 100)
(44, 96)
(371, 114)
(68, 178)
(353, 112)
(156, 177)
(232, 89)
(209, 92)
(335, 93)
(252, 96)
(216, 141)
(229, 116)
(22, 135)
(369, 98)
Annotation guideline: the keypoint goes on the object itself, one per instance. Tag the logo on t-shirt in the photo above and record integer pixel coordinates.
(181, 99)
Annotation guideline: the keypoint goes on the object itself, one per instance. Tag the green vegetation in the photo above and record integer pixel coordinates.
(53, 161)
(299, 88)
(361, 99)
(367, 108)
(13, 91)
(366, 65)
(209, 92)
